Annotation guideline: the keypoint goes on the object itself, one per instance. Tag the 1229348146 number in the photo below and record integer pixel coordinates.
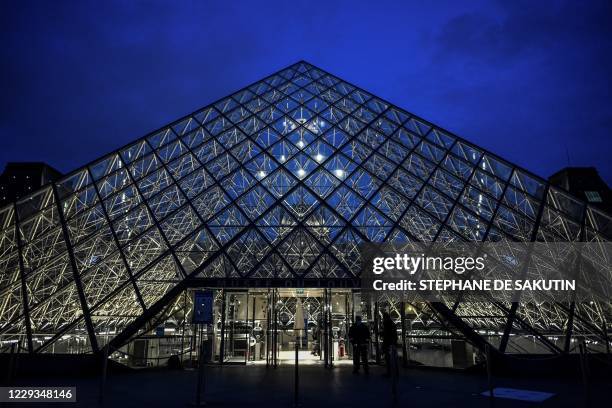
(65, 394)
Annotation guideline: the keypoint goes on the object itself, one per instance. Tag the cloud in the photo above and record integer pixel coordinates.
(534, 78)
(81, 78)
(520, 27)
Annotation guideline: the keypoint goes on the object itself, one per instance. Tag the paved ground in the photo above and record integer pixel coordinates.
(256, 386)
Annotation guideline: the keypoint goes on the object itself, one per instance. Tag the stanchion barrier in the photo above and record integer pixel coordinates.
(394, 368)
(201, 377)
(105, 366)
(103, 379)
(556, 356)
(584, 370)
(153, 358)
(11, 368)
(594, 354)
(296, 393)
(595, 357)
(489, 374)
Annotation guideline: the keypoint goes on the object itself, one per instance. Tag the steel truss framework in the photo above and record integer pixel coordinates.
(279, 182)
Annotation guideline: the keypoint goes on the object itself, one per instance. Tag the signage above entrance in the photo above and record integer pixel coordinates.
(202, 307)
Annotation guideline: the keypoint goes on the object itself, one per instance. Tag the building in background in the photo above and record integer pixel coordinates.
(22, 178)
(585, 183)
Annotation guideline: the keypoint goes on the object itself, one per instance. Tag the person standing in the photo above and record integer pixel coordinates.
(316, 342)
(389, 337)
(359, 335)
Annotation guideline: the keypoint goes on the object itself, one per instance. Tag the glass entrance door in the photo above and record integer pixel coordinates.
(257, 322)
(340, 305)
(235, 330)
(281, 312)
(257, 326)
(272, 328)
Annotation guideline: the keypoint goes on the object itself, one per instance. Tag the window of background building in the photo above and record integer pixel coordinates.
(593, 196)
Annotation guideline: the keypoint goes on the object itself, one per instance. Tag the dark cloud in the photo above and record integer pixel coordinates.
(540, 72)
(520, 29)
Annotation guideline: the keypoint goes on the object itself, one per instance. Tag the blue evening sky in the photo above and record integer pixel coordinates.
(528, 80)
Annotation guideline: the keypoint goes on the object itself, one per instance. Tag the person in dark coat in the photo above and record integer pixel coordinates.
(359, 335)
(389, 338)
(316, 341)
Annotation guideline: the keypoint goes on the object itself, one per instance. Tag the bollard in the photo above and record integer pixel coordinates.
(489, 374)
(16, 362)
(201, 376)
(11, 367)
(296, 392)
(394, 368)
(584, 372)
(103, 379)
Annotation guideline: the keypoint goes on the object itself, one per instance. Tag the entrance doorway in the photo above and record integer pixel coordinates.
(327, 317)
(255, 326)
(310, 339)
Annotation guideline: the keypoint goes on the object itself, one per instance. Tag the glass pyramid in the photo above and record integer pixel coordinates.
(279, 182)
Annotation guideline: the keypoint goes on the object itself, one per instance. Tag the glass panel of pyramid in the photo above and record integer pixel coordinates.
(283, 179)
